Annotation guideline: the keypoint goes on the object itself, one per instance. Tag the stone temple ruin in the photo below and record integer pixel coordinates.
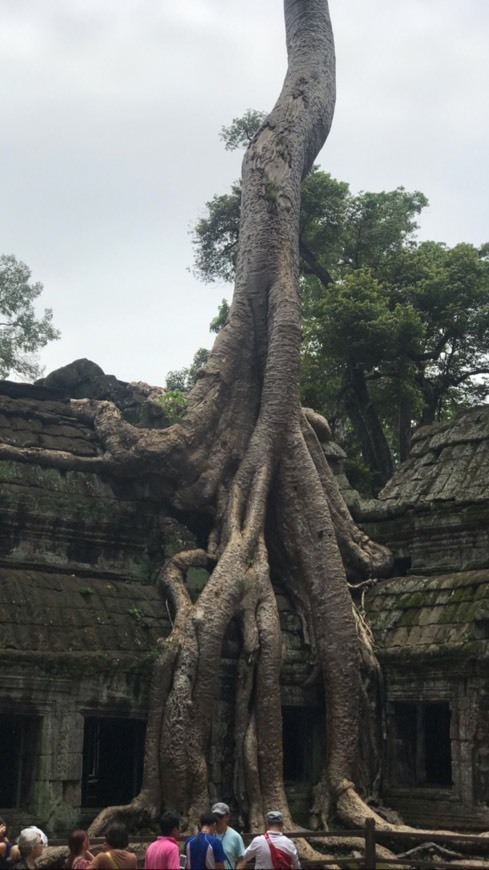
(80, 616)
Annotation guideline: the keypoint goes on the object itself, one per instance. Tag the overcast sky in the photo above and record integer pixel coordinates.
(111, 112)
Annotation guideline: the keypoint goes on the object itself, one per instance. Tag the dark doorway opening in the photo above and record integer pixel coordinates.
(113, 752)
(18, 741)
(438, 753)
(403, 745)
(419, 745)
(302, 744)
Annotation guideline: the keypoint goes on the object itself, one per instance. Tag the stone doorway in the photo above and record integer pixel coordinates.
(112, 760)
(19, 736)
(420, 745)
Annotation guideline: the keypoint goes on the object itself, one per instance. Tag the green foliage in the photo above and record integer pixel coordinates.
(324, 216)
(215, 238)
(415, 332)
(173, 403)
(379, 224)
(138, 616)
(241, 131)
(396, 332)
(220, 319)
(85, 591)
(182, 380)
(22, 333)
(358, 474)
(359, 320)
(271, 190)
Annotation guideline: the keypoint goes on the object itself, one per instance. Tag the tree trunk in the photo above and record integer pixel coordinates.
(405, 428)
(367, 426)
(247, 454)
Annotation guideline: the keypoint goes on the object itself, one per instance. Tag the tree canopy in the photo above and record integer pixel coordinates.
(22, 331)
(399, 345)
(396, 331)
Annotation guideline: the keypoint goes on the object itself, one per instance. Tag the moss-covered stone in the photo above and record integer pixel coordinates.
(196, 580)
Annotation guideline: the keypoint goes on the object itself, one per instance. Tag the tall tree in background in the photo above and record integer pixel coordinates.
(250, 460)
(22, 331)
(400, 345)
(396, 333)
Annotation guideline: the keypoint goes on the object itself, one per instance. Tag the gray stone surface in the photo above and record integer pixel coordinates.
(80, 613)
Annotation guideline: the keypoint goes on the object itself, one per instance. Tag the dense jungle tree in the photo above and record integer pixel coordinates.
(401, 346)
(22, 331)
(248, 456)
(396, 333)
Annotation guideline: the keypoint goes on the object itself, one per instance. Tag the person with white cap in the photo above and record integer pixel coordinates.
(232, 842)
(271, 849)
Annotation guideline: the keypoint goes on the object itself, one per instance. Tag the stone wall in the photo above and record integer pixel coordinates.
(79, 553)
(434, 512)
(433, 644)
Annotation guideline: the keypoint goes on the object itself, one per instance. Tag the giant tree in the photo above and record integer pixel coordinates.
(249, 458)
(396, 332)
(340, 235)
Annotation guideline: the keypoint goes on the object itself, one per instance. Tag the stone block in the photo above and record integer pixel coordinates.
(68, 766)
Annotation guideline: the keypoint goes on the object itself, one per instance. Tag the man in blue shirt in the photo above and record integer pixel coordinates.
(204, 850)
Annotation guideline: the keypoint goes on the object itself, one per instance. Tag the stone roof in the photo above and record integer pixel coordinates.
(31, 422)
(448, 462)
(442, 615)
(46, 613)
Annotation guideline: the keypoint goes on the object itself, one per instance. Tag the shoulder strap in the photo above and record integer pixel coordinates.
(271, 846)
(112, 860)
(278, 856)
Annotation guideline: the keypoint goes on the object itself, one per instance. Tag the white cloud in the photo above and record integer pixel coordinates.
(109, 149)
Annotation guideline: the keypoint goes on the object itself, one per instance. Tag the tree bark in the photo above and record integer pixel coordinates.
(367, 426)
(405, 428)
(246, 454)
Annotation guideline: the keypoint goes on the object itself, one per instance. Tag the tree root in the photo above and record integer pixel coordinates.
(137, 814)
(244, 452)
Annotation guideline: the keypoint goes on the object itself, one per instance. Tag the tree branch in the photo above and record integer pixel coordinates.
(314, 264)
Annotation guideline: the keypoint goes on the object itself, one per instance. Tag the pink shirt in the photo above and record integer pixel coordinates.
(163, 854)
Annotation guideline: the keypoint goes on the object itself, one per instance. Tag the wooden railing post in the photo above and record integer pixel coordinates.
(370, 862)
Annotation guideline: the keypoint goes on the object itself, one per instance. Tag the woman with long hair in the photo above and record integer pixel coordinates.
(79, 857)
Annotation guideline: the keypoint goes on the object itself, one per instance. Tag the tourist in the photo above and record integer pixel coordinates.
(30, 844)
(164, 853)
(203, 851)
(232, 842)
(5, 845)
(38, 831)
(79, 857)
(115, 854)
(262, 848)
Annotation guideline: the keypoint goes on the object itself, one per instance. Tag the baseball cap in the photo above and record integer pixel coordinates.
(220, 809)
(274, 816)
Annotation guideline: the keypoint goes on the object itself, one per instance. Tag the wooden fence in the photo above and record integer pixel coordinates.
(469, 844)
(369, 838)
